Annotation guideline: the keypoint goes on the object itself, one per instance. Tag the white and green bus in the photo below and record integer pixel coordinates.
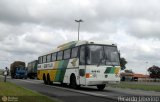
(81, 63)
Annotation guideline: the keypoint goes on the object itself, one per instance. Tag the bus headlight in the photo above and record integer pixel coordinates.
(91, 75)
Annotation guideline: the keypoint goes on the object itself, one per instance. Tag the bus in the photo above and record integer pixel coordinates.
(81, 63)
(32, 69)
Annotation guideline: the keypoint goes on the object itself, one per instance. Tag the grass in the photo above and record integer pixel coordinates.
(9, 89)
(137, 86)
(1, 72)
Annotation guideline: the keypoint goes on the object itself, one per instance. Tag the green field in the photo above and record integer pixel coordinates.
(1, 72)
(21, 94)
(137, 86)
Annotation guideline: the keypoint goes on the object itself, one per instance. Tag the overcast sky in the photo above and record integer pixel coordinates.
(29, 28)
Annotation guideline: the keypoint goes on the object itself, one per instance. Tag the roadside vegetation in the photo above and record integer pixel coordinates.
(130, 85)
(23, 95)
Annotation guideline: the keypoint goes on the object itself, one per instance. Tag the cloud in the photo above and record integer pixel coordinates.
(144, 28)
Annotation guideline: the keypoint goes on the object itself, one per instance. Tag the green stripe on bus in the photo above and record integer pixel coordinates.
(108, 70)
(58, 70)
(112, 70)
(62, 65)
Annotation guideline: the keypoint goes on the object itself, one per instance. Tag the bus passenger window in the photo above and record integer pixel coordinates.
(54, 56)
(67, 54)
(60, 55)
(44, 59)
(82, 55)
(74, 52)
(49, 58)
(40, 60)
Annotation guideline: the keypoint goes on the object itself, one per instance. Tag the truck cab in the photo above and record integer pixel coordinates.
(21, 72)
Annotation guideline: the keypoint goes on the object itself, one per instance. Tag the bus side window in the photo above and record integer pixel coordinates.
(39, 60)
(60, 55)
(74, 52)
(82, 55)
(67, 54)
(54, 56)
(49, 58)
(44, 59)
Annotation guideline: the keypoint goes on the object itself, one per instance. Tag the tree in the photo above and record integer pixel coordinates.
(123, 63)
(154, 71)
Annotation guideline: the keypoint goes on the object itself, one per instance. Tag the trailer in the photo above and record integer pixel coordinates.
(32, 69)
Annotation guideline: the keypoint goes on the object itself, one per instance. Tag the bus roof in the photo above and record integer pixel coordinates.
(77, 43)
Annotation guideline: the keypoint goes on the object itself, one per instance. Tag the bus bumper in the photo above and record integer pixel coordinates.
(92, 82)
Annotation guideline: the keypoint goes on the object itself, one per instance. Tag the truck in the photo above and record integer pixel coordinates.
(18, 70)
(32, 69)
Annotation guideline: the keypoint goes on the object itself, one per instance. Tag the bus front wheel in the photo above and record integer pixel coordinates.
(101, 87)
(73, 82)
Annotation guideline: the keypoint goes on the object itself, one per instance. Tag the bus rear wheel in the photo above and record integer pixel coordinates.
(44, 79)
(49, 82)
(101, 87)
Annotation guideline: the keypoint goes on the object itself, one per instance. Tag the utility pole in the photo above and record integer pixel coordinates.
(78, 21)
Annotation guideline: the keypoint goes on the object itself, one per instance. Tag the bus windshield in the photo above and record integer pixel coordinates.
(102, 55)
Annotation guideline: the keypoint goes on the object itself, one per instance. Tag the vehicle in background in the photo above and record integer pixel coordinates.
(32, 69)
(18, 70)
(129, 75)
(81, 63)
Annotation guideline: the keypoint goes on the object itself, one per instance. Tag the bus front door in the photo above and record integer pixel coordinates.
(82, 75)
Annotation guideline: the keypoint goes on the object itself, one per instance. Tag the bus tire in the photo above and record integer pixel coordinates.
(73, 82)
(49, 82)
(44, 79)
(101, 87)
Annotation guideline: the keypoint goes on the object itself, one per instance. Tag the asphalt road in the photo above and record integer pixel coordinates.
(64, 94)
(84, 94)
